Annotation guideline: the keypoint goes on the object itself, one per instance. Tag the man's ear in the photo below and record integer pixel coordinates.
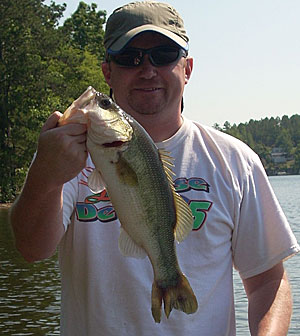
(106, 72)
(188, 68)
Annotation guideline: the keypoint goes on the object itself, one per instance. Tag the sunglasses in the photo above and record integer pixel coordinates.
(158, 56)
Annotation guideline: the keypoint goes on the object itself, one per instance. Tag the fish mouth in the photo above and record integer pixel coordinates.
(117, 143)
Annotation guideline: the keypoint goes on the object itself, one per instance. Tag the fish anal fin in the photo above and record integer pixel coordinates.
(129, 248)
(95, 181)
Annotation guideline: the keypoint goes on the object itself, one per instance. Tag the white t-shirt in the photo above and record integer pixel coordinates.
(238, 222)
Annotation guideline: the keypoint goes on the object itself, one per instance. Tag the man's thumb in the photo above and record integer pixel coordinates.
(51, 122)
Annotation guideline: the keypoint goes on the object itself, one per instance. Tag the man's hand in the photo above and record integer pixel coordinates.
(61, 153)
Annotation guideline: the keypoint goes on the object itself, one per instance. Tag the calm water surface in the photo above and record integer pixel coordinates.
(30, 293)
(287, 190)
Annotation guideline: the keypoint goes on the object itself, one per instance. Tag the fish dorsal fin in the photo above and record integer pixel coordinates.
(184, 217)
(168, 163)
(95, 181)
(128, 247)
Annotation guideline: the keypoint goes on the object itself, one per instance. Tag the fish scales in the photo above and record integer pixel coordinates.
(138, 181)
(149, 202)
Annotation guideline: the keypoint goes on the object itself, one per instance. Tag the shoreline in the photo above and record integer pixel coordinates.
(5, 205)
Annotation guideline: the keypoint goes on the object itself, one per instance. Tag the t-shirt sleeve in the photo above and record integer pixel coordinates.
(262, 236)
(70, 192)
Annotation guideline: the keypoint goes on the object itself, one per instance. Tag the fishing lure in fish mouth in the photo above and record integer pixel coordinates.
(138, 179)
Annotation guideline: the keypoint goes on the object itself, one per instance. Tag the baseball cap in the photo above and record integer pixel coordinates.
(128, 21)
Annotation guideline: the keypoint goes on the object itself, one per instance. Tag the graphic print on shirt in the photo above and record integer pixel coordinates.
(98, 207)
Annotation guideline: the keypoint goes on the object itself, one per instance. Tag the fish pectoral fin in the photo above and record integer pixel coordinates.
(95, 181)
(128, 247)
(125, 172)
(184, 218)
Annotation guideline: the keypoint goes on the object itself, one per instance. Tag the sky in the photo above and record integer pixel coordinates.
(246, 57)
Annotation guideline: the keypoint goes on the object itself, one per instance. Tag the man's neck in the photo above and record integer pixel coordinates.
(160, 128)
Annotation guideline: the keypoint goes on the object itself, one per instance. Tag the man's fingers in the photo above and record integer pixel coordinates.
(69, 129)
(51, 122)
(74, 129)
(81, 138)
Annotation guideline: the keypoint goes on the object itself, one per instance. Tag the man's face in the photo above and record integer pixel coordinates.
(147, 89)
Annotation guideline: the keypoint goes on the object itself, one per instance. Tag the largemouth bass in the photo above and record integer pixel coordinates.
(138, 180)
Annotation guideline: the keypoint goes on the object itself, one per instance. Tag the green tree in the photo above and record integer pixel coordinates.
(226, 126)
(295, 129)
(284, 141)
(217, 127)
(71, 71)
(265, 134)
(42, 70)
(234, 131)
(27, 39)
(297, 159)
(85, 29)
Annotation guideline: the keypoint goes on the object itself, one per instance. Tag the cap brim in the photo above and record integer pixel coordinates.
(122, 41)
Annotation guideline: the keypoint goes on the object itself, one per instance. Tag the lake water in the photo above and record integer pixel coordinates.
(287, 190)
(30, 293)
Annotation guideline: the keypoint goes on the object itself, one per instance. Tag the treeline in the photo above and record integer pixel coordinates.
(44, 66)
(275, 140)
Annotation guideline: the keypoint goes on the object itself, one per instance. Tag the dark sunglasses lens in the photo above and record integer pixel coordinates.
(128, 58)
(164, 56)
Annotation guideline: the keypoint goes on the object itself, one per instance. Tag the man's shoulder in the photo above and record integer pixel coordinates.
(221, 139)
(222, 147)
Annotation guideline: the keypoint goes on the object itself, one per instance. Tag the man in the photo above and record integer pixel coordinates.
(238, 221)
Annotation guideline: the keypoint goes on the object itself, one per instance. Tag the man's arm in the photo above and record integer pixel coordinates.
(36, 216)
(270, 302)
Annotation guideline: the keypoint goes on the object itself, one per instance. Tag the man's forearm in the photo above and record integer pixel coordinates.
(36, 218)
(270, 308)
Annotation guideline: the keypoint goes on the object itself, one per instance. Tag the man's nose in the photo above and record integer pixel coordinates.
(147, 69)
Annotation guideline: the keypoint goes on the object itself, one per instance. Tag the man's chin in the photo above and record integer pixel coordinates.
(150, 110)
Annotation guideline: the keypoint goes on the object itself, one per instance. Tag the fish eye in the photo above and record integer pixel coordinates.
(105, 103)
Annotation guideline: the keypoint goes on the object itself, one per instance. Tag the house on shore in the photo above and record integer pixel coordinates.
(278, 155)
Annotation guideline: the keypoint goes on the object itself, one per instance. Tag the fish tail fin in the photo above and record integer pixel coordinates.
(180, 297)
